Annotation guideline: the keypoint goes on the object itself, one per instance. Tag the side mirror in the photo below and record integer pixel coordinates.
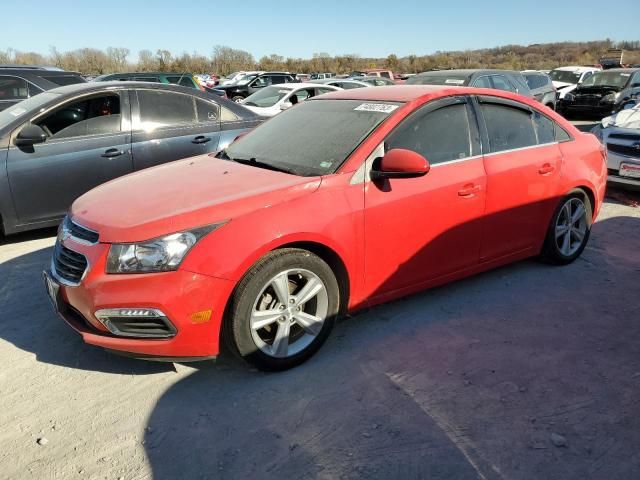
(286, 105)
(400, 163)
(30, 135)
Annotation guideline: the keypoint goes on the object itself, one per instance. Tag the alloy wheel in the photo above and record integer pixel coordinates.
(571, 226)
(289, 313)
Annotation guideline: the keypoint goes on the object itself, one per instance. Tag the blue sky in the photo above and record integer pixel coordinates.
(371, 28)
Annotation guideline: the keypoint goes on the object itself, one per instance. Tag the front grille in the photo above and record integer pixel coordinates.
(627, 150)
(79, 232)
(148, 327)
(589, 100)
(68, 265)
(626, 136)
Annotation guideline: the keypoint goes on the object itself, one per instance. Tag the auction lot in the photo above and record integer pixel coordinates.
(528, 371)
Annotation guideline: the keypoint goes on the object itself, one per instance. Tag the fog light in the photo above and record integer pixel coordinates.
(136, 322)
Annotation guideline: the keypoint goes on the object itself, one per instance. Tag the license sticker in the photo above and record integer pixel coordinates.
(629, 170)
(454, 81)
(16, 112)
(376, 107)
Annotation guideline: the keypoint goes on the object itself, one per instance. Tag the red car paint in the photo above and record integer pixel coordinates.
(461, 218)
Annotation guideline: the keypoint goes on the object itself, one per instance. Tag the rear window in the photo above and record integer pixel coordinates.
(184, 80)
(536, 81)
(63, 80)
(452, 80)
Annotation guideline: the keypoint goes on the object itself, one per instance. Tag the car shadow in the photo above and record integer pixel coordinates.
(468, 380)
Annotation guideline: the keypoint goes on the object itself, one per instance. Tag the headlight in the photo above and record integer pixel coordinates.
(158, 255)
(569, 97)
(611, 98)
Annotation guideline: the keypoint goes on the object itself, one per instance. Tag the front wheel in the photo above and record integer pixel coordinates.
(283, 309)
(569, 230)
(237, 98)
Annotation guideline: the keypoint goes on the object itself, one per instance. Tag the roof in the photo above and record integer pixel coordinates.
(621, 70)
(577, 68)
(393, 93)
(467, 71)
(141, 74)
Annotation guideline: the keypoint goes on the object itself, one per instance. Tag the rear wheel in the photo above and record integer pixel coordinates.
(569, 230)
(283, 309)
(237, 98)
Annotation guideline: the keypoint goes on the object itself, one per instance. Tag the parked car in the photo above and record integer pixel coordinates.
(620, 133)
(507, 80)
(207, 81)
(376, 81)
(57, 145)
(184, 79)
(19, 82)
(343, 83)
(264, 247)
(541, 87)
(270, 101)
(603, 93)
(374, 72)
(566, 79)
(250, 84)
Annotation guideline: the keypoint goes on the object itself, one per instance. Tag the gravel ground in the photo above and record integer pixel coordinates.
(525, 372)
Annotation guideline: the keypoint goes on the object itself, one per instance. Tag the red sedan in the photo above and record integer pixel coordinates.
(350, 199)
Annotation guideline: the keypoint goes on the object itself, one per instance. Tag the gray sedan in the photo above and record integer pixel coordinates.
(58, 145)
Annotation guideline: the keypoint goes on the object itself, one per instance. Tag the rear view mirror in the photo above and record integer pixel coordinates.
(285, 105)
(30, 135)
(400, 163)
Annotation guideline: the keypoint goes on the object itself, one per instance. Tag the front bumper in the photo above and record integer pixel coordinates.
(185, 297)
(589, 111)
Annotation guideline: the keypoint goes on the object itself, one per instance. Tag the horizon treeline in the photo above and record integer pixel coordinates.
(224, 60)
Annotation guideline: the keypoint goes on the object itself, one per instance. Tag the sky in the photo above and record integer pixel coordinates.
(370, 28)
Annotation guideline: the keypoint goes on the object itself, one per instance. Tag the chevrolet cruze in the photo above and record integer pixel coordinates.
(348, 200)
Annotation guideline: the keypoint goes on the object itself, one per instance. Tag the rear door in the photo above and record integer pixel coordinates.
(88, 144)
(522, 161)
(418, 229)
(168, 126)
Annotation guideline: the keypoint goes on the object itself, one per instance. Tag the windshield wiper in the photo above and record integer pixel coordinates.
(256, 163)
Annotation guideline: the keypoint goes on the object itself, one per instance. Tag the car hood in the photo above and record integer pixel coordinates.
(560, 85)
(629, 119)
(596, 90)
(182, 195)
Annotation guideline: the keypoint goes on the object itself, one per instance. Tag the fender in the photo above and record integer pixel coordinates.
(8, 218)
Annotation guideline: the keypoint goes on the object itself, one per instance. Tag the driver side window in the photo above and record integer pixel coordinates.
(440, 135)
(98, 115)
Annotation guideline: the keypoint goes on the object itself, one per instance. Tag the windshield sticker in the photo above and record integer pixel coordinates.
(376, 107)
(625, 74)
(454, 81)
(16, 112)
(326, 164)
(284, 91)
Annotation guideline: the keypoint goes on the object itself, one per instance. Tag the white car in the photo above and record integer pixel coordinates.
(236, 76)
(270, 101)
(566, 79)
(343, 83)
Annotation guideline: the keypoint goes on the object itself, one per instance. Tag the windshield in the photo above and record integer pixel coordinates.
(266, 97)
(244, 79)
(608, 79)
(438, 80)
(564, 76)
(313, 138)
(25, 107)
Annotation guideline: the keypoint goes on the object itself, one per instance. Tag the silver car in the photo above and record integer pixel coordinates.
(621, 135)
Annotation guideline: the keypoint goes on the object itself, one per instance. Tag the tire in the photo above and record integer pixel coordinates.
(237, 98)
(566, 239)
(267, 322)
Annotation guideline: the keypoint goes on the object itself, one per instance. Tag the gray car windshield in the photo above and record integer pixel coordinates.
(312, 138)
(266, 97)
(608, 79)
(25, 107)
(452, 80)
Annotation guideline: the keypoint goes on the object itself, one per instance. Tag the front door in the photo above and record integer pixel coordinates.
(419, 229)
(88, 144)
(168, 126)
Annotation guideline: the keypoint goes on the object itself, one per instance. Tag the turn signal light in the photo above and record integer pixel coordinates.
(200, 317)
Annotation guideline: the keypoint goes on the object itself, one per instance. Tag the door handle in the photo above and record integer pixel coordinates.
(469, 190)
(201, 139)
(112, 152)
(546, 169)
